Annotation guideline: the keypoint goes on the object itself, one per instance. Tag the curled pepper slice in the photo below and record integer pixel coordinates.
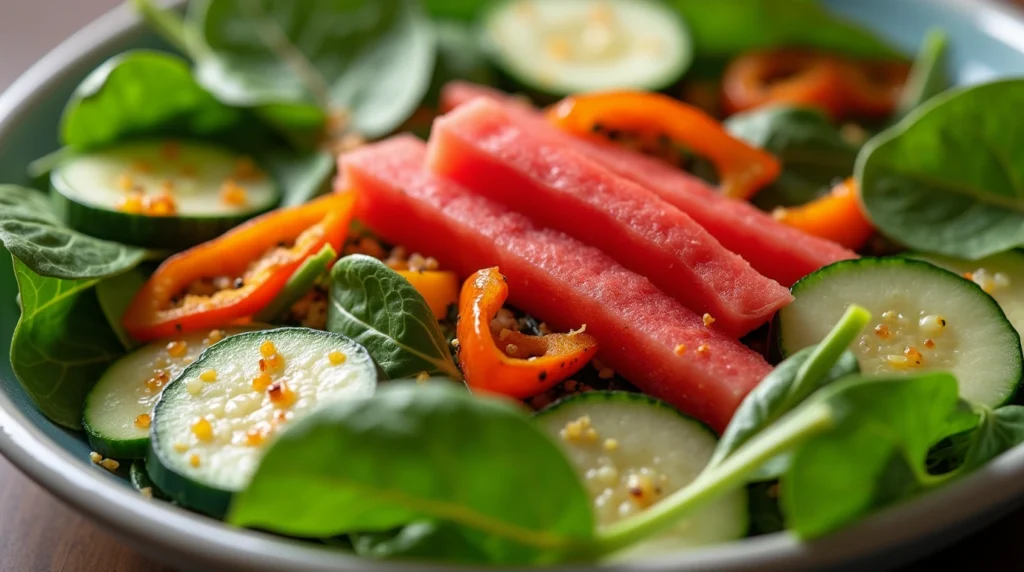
(438, 287)
(742, 169)
(524, 365)
(836, 216)
(838, 86)
(233, 276)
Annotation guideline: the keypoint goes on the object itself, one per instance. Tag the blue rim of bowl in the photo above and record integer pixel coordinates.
(172, 531)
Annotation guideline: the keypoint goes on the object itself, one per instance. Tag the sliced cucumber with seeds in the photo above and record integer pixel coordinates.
(632, 450)
(925, 318)
(118, 410)
(1000, 275)
(214, 422)
(567, 46)
(211, 190)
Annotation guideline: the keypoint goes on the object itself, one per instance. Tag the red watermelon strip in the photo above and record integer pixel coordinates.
(493, 154)
(780, 252)
(642, 331)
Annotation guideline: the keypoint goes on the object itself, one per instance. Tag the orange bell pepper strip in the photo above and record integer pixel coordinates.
(873, 89)
(524, 365)
(742, 169)
(836, 216)
(257, 257)
(438, 287)
(796, 77)
(840, 87)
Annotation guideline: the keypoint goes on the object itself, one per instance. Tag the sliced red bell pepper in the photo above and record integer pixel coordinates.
(836, 216)
(742, 169)
(523, 366)
(258, 258)
(840, 87)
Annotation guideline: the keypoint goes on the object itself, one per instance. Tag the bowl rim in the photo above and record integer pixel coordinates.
(172, 530)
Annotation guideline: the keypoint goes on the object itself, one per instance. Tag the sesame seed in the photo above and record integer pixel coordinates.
(680, 349)
(267, 348)
(143, 421)
(261, 382)
(336, 357)
(146, 492)
(422, 376)
(180, 447)
(208, 375)
(95, 457)
(213, 337)
(703, 349)
(202, 430)
(708, 320)
(177, 348)
(611, 444)
(882, 331)
(193, 460)
(511, 349)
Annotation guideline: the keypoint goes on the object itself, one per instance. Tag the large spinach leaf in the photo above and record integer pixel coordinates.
(949, 179)
(929, 75)
(423, 451)
(32, 233)
(376, 307)
(371, 59)
(790, 383)
(61, 345)
(813, 153)
(1000, 430)
(115, 294)
(138, 93)
(725, 28)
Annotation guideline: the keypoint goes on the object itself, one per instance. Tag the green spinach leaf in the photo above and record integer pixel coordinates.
(465, 10)
(929, 75)
(855, 446)
(1000, 430)
(791, 382)
(725, 28)
(32, 233)
(138, 93)
(477, 464)
(376, 307)
(459, 56)
(61, 345)
(874, 451)
(371, 59)
(115, 294)
(813, 153)
(949, 179)
(424, 540)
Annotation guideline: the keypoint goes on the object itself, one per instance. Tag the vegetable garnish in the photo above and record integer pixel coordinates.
(523, 366)
(837, 216)
(840, 87)
(255, 259)
(439, 288)
(742, 169)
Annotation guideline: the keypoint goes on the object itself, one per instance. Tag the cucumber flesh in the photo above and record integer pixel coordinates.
(1000, 275)
(130, 388)
(924, 318)
(567, 46)
(642, 450)
(91, 190)
(209, 435)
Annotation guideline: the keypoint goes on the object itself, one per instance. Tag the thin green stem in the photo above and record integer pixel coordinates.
(825, 354)
(164, 22)
(722, 479)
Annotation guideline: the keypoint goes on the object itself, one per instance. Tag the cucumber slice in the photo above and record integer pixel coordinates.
(209, 436)
(140, 480)
(129, 389)
(925, 318)
(560, 47)
(1000, 275)
(88, 191)
(642, 445)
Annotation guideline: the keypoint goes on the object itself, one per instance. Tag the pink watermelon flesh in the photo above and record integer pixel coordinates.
(556, 278)
(780, 252)
(493, 154)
